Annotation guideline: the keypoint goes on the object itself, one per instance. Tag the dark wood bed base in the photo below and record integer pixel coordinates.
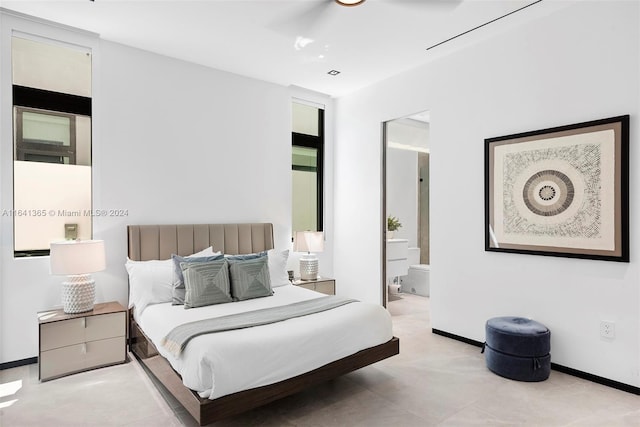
(146, 242)
(207, 411)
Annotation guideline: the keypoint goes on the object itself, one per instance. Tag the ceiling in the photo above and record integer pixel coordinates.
(365, 43)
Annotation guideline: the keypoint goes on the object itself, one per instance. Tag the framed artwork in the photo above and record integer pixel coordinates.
(562, 191)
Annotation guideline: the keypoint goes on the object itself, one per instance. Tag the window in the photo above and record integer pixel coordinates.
(45, 136)
(52, 143)
(307, 167)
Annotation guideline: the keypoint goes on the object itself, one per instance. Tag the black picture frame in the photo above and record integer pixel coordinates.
(561, 191)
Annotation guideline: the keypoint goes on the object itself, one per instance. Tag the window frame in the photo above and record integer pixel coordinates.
(315, 142)
(24, 147)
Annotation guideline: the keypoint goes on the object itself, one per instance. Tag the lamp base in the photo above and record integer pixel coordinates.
(78, 294)
(308, 267)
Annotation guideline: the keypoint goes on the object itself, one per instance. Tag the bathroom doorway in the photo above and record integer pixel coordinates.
(406, 208)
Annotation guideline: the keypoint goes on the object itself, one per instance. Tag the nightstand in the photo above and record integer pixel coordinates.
(321, 284)
(71, 343)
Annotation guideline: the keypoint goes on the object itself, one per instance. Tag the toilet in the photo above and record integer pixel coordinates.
(417, 279)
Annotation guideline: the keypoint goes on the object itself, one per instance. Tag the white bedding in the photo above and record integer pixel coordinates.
(218, 364)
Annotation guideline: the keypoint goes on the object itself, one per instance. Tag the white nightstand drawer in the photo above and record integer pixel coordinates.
(105, 352)
(76, 331)
(327, 287)
(79, 357)
(62, 334)
(105, 326)
(323, 285)
(61, 361)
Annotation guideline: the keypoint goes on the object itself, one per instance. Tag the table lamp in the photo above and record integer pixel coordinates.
(77, 259)
(309, 241)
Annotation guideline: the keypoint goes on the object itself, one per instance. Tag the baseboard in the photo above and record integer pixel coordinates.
(596, 379)
(565, 370)
(16, 363)
(457, 337)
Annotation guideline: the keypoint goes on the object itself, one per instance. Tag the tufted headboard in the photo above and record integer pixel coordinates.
(148, 242)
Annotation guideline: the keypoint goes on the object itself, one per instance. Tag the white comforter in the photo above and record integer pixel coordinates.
(218, 364)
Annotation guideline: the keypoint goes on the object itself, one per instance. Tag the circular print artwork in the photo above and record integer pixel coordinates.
(548, 193)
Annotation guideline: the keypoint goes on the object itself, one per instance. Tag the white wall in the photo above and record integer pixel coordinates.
(181, 143)
(173, 142)
(573, 62)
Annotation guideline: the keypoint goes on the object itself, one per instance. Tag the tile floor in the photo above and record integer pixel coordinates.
(435, 381)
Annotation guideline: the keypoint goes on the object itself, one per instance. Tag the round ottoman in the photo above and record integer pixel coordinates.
(518, 348)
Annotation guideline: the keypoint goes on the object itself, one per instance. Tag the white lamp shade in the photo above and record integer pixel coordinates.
(309, 241)
(77, 257)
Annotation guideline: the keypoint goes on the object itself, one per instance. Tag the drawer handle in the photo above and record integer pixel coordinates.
(84, 322)
(84, 348)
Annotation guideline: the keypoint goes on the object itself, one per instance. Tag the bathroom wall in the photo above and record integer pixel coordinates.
(406, 137)
(402, 192)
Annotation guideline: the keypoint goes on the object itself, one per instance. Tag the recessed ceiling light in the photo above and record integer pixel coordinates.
(349, 2)
(333, 72)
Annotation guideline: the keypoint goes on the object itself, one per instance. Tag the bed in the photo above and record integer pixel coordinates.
(292, 354)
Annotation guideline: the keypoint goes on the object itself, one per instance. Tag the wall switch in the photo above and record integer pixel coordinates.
(71, 231)
(607, 329)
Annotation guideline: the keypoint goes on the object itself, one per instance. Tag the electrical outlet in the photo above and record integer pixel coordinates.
(607, 329)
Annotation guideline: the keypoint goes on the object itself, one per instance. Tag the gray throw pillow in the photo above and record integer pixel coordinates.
(178, 279)
(250, 278)
(206, 283)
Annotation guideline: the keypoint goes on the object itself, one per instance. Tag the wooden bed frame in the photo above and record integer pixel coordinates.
(159, 242)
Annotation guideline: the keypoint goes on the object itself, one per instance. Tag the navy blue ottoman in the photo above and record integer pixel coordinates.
(518, 348)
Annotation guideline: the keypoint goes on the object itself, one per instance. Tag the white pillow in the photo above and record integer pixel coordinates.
(206, 252)
(151, 282)
(278, 267)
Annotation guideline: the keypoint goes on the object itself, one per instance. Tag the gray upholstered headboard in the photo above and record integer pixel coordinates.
(148, 242)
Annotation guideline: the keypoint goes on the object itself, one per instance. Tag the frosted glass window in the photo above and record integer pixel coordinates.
(48, 66)
(305, 188)
(305, 119)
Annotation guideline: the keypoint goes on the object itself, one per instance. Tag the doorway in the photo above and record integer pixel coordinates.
(405, 198)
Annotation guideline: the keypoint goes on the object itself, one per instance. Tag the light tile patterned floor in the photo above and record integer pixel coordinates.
(435, 381)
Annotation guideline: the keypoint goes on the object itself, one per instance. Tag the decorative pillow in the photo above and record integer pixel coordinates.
(244, 256)
(250, 278)
(278, 267)
(178, 288)
(206, 283)
(150, 282)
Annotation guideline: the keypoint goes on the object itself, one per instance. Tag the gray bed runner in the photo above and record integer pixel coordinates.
(177, 339)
